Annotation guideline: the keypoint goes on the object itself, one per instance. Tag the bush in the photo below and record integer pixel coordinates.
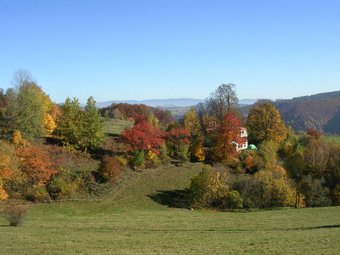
(138, 160)
(15, 214)
(315, 194)
(111, 168)
(61, 187)
(200, 195)
(37, 193)
(266, 189)
(234, 200)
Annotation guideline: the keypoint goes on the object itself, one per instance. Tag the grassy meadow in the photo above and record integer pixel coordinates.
(116, 126)
(333, 138)
(145, 214)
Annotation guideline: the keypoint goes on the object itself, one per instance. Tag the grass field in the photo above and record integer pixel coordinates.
(333, 138)
(115, 126)
(138, 218)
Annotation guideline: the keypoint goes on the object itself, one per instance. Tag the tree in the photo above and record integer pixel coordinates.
(92, 134)
(225, 138)
(31, 112)
(192, 123)
(36, 163)
(222, 101)
(177, 141)
(70, 123)
(28, 107)
(316, 157)
(264, 122)
(83, 129)
(143, 137)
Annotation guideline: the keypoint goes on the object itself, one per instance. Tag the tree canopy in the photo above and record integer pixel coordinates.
(264, 122)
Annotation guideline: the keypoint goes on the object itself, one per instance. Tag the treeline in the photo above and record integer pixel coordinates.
(130, 112)
(51, 151)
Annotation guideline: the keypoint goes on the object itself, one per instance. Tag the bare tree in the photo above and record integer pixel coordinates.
(222, 101)
(21, 77)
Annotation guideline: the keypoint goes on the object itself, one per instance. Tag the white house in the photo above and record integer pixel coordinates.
(243, 145)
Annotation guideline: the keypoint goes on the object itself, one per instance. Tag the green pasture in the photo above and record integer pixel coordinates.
(146, 214)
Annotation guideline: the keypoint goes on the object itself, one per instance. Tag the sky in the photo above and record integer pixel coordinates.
(147, 49)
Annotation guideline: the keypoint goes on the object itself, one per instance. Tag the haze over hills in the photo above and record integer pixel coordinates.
(168, 103)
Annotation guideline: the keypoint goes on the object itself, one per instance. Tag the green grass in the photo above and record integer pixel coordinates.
(115, 126)
(333, 138)
(130, 221)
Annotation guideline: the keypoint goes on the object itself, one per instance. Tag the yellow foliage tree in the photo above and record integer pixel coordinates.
(3, 194)
(50, 124)
(16, 137)
(264, 123)
(192, 123)
(197, 151)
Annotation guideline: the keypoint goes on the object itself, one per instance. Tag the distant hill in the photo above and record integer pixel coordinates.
(320, 111)
(171, 102)
(168, 103)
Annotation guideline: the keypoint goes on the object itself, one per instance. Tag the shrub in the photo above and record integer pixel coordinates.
(138, 160)
(200, 195)
(15, 214)
(265, 189)
(315, 194)
(111, 169)
(234, 200)
(37, 193)
(61, 187)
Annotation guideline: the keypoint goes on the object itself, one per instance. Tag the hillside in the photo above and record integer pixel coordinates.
(320, 111)
(140, 217)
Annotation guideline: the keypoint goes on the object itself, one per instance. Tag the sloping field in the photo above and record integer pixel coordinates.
(141, 216)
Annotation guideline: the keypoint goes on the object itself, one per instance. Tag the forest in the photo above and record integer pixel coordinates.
(53, 152)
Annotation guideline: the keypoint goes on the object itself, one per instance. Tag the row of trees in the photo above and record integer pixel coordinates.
(286, 170)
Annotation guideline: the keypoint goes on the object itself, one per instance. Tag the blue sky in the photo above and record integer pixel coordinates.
(124, 49)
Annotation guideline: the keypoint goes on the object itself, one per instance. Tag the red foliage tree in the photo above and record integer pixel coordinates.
(177, 136)
(143, 137)
(225, 137)
(313, 133)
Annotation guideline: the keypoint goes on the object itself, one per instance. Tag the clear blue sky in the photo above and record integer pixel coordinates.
(142, 49)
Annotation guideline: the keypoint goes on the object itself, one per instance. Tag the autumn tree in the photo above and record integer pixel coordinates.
(28, 108)
(143, 136)
(70, 123)
(36, 164)
(264, 122)
(222, 101)
(225, 138)
(83, 129)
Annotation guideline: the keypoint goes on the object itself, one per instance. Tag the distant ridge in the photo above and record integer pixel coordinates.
(319, 111)
(171, 102)
(167, 103)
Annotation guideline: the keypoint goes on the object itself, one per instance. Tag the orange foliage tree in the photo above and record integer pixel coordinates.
(36, 163)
